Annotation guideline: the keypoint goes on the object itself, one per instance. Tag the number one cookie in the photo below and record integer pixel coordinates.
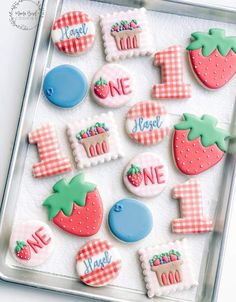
(192, 219)
(51, 160)
(173, 86)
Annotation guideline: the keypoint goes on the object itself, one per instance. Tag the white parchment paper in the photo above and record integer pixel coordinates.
(166, 30)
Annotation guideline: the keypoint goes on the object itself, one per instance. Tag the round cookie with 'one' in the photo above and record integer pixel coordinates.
(98, 263)
(146, 175)
(112, 86)
(73, 33)
(31, 243)
(130, 220)
(147, 122)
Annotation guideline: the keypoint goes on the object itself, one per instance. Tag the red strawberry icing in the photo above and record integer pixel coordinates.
(75, 207)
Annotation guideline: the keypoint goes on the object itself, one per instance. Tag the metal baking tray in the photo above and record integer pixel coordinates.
(42, 52)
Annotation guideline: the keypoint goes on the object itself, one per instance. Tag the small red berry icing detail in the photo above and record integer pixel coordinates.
(135, 175)
(75, 207)
(22, 251)
(198, 144)
(213, 57)
(101, 88)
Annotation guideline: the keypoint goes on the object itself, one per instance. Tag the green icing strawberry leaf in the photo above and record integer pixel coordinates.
(205, 128)
(66, 194)
(134, 170)
(214, 39)
(100, 82)
(19, 246)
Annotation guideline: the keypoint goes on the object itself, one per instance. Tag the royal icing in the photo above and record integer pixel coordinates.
(31, 243)
(125, 228)
(52, 162)
(147, 123)
(192, 220)
(166, 268)
(73, 33)
(146, 175)
(212, 57)
(172, 86)
(198, 144)
(65, 86)
(95, 140)
(98, 263)
(75, 206)
(112, 86)
(126, 34)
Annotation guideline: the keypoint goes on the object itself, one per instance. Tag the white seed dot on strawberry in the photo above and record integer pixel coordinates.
(212, 149)
(80, 222)
(70, 219)
(201, 166)
(79, 213)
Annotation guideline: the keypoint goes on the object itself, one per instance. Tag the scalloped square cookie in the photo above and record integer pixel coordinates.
(166, 268)
(94, 140)
(126, 34)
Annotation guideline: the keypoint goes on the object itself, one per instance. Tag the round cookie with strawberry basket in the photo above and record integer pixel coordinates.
(112, 86)
(198, 144)
(212, 57)
(75, 206)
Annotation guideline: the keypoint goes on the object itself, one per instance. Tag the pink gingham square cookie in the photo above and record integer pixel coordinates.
(94, 140)
(126, 34)
(167, 268)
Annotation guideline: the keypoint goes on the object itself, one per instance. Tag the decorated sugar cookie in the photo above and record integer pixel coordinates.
(146, 175)
(147, 123)
(73, 33)
(130, 220)
(95, 140)
(172, 86)
(31, 243)
(212, 57)
(198, 144)
(98, 263)
(75, 207)
(65, 86)
(112, 86)
(192, 220)
(166, 268)
(52, 162)
(126, 34)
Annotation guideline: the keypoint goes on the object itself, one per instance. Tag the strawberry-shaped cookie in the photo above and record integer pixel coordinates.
(135, 175)
(213, 57)
(22, 250)
(101, 88)
(75, 207)
(198, 144)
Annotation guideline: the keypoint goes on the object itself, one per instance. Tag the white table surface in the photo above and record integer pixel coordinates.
(14, 62)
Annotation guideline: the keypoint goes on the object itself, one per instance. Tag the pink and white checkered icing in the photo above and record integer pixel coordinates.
(153, 177)
(192, 219)
(115, 150)
(112, 86)
(38, 239)
(153, 287)
(147, 123)
(98, 263)
(73, 33)
(145, 39)
(173, 87)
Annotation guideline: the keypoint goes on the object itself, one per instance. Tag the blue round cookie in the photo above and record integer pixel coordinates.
(65, 86)
(130, 220)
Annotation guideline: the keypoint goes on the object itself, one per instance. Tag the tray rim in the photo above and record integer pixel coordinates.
(228, 192)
